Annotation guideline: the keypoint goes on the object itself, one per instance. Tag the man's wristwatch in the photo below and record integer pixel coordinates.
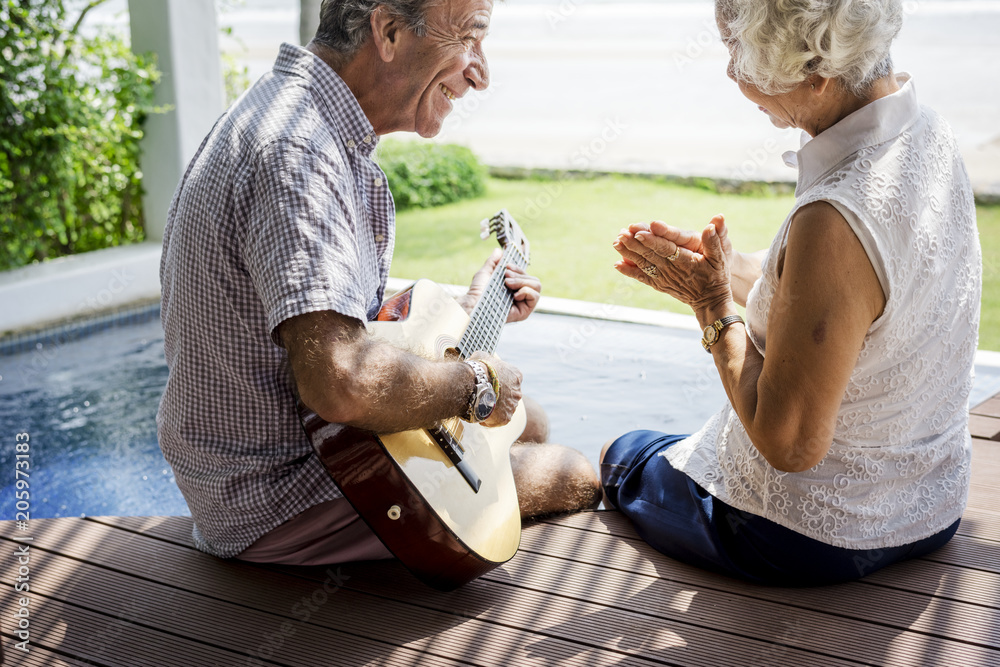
(484, 398)
(712, 331)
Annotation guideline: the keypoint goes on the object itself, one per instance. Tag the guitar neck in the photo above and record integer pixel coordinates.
(490, 314)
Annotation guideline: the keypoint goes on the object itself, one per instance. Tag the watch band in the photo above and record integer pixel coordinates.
(482, 378)
(494, 378)
(710, 336)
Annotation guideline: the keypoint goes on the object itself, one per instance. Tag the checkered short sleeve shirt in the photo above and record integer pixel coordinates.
(282, 212)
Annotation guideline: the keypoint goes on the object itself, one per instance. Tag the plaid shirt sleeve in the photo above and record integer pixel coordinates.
(301, 246)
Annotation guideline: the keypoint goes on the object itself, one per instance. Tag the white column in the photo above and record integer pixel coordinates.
(184, 35)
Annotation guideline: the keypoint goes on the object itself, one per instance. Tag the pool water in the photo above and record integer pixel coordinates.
(89, 405)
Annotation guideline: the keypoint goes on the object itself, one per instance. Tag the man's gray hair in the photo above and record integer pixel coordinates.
(780, 43)
(345, 25)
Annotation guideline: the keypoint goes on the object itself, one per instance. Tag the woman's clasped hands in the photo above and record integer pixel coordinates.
(691, 267)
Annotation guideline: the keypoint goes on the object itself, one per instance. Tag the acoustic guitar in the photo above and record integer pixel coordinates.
(442, 500)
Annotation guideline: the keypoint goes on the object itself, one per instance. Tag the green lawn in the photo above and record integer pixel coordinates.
(989, 238)
(571, 225)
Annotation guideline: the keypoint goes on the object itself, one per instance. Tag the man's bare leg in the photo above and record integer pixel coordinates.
(537, 428)
(550, 478)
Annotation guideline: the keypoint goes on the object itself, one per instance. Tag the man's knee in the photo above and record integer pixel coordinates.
(553, 478)
(537, 427)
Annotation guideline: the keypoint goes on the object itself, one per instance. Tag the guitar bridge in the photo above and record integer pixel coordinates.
(454, 451)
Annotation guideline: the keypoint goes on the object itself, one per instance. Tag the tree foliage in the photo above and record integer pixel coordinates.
(71, 112)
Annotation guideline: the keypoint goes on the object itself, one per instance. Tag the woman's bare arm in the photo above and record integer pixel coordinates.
(827, 298)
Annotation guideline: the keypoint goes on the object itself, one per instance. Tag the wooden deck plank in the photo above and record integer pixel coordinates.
(970, 552)
(985, 453)
(584, 590)
(920, 576)
(234, 628)
(497, 594)
(943, 581)
(690, 648)
(989, 408)
(986, 462)
(869, 643)
(986, 427)
(984, 498)
(170, 528)
(949, 581)
(108, 642)
(852, 601)
(747, 616)
(453, 637)
(38, 657)
(667, 632)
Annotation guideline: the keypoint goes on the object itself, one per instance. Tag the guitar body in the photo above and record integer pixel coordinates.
(405, 486)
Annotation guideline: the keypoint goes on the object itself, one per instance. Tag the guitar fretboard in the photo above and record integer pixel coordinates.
(490, 314)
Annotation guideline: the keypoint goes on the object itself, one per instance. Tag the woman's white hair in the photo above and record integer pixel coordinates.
(780, 43)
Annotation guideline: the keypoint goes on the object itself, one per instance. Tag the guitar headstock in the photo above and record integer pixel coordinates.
(508, 232)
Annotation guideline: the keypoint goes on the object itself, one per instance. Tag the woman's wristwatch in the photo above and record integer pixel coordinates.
(484, 397)
(711, 333)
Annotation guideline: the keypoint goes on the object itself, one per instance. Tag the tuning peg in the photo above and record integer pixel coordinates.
(484, 229)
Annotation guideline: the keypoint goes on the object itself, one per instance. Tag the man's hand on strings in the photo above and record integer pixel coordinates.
(527, 289)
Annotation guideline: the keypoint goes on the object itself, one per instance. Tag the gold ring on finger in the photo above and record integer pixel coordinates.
(677, 253)
(649, 271)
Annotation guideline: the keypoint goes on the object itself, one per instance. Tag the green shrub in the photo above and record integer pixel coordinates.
(71, 112)
(423, 174)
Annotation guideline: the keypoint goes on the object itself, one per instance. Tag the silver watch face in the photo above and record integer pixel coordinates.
(486, 400)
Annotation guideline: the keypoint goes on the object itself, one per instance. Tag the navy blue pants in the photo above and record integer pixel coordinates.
(682, 520)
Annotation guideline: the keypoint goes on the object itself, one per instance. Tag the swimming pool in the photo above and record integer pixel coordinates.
(89, 405)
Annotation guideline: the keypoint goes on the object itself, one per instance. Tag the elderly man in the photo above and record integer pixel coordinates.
(276, 252)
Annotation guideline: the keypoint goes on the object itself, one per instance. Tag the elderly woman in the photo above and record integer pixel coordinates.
(844, 445)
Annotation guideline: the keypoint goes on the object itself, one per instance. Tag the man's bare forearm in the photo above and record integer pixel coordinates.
(348, 377)
(392, 390)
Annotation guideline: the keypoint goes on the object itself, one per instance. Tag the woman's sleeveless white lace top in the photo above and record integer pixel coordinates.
(898, 468)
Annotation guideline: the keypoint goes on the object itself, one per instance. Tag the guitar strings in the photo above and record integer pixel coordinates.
(490, 314)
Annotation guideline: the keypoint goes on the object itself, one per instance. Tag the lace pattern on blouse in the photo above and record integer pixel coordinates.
(898, 468)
